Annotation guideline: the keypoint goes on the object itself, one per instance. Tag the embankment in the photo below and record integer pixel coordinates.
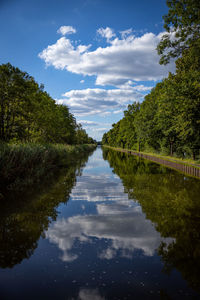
(184, 167)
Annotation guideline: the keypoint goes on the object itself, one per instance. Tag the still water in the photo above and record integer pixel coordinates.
(116, 227)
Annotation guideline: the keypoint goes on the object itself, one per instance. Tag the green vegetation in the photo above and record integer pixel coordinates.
(171, 202)
(40, 142)
(187, 161)
(168, 120)
(26, 164)
(182, 26)
(29, 114)
(31, 126)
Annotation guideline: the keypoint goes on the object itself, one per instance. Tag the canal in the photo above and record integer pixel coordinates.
(113, 227)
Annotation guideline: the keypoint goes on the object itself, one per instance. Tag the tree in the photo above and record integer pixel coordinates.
(182, 24)
(14, 87)
(29, 114)
(148, 134)
(81, 137)
(187, 86)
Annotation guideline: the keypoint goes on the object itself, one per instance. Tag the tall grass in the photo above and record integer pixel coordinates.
(22, 165)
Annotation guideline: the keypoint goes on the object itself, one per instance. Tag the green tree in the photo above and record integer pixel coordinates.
(148, 133)
(182, 24)
(29, 114)
(14, 101)
(187, 87)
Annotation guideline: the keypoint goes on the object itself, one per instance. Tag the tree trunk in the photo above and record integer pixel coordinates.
(171, 148)
(193, 155)
(2, 127)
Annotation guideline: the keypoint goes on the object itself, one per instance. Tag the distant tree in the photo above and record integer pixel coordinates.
(148, 133)
(81, 136)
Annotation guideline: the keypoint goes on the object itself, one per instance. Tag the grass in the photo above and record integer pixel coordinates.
(22, 165)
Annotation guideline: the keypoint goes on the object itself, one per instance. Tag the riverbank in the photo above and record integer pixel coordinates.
(23, 165)
(184, 166)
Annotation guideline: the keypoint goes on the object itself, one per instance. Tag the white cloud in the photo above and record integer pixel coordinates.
(66, 30)
(117, 111)
(125, 33)
(88, 123)
(100, 129)
(107, 32)
(63, 55)
(142, 88)
(129, 58)
(82, 81)
(99, 101)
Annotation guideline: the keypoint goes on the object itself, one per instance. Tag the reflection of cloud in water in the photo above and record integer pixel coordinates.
(125, 227)
(89, 294)
(96, 160)
(98, 188)
(93, 186)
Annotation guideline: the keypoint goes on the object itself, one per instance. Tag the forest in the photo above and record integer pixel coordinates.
(29, 114)
(168, 120)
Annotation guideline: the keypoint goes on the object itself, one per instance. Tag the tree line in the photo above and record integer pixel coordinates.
(29, 114)
(168, 120)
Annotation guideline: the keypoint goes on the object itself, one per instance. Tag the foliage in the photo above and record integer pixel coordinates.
(23, 165)
(29, 114)
(168, 120)
(182, 24)
(123, 133)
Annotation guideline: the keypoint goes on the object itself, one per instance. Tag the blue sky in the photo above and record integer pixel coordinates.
(95, 56)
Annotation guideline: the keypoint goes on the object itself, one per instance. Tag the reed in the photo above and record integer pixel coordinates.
(22, 165)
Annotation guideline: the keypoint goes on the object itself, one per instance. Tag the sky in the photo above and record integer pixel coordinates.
(95, 56)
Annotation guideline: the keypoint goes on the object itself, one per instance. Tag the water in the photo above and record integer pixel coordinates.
(118, 228)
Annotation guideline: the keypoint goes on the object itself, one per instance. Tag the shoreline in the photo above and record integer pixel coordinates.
(24, 165)
(181, 166)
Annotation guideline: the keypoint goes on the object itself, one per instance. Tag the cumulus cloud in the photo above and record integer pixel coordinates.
(66, 30)
(128, 58)
(63, 55)
(99, 101)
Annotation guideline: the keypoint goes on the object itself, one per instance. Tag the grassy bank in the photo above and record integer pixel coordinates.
(22, 165)
(189, 167)
(190, 162)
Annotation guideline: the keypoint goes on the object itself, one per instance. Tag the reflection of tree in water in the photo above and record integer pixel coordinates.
(171, 201)
(23, 221)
